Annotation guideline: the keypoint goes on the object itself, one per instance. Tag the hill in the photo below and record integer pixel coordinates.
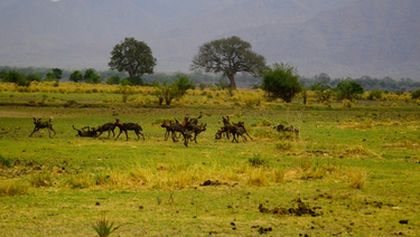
(342, 38)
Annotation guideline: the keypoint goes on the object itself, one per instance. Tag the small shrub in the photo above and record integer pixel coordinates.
(13, 188)
(5, 162)
(415, 94)
(104, 227)
(256, 161)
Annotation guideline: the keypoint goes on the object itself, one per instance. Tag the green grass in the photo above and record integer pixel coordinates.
(360, 166)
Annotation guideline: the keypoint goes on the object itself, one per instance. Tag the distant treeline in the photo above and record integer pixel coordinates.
(244, 80)
(368, 83)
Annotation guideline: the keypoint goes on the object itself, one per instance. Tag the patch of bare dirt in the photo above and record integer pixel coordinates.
(300, 209)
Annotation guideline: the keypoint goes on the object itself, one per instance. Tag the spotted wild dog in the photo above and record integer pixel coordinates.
(125, 127)
(39, 124)
(86, 132)
(107, 127)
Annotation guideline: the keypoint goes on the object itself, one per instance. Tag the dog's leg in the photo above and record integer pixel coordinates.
(35, 129)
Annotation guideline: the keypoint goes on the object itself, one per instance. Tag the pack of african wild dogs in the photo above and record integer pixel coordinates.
(187, 129)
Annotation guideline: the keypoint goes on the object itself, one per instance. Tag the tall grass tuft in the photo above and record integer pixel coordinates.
(42, 180)
(79, 182)
(256, 161)
(13, 188)
(357, 178)
(257, 177)
(104, 227)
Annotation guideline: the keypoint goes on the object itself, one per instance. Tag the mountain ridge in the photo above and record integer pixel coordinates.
(342, 38)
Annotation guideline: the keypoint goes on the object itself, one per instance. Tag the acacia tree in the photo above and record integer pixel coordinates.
(134, 57)
(228, 56)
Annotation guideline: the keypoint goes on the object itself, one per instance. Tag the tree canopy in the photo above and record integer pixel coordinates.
(348, 89)
(132, 56)
(91, 76)
(281, 81)
(228, 56)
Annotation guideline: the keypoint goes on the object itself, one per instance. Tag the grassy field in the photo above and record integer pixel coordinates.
(352, 171)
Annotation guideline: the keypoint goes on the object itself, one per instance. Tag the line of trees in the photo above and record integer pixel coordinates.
(132, 61)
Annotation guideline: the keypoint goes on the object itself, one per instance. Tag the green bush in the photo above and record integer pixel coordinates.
(415, 94)
(256, 161)
(281, 81)
(104, 227)
(348, 89)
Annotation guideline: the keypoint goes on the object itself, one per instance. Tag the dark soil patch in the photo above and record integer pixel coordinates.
(212, 183)
(301, 210)
(403, 222)
(262, 230)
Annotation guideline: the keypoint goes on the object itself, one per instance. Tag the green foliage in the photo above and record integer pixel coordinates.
(281, 81)
(91, 76)
(229, 56)
(324, 96)
(16, 77)
(256, 161)
(135, 81)
(54, 74)
(104, 227)
(182, 84)
(5, 162)
(113, 80)
(134, 57)
(415, 94)
(348, 89)
(58, 73)
(76, 76)
(166, 92)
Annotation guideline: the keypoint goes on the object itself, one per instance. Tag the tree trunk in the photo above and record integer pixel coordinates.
(232, 84)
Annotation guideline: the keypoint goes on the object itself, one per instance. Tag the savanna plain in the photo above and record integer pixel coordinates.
(353, 170)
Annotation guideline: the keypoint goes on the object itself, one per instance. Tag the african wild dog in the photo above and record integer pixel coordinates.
(125, 127)
(107, 127)
(170, 129)
(234, 129)
(197, 129)
(86, 132)
(290, 129)
(39, 124)
(189, 128)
